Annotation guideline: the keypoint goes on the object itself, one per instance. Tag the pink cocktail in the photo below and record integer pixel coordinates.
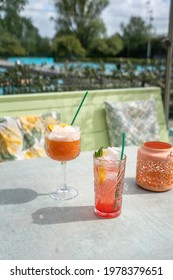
(109, 173)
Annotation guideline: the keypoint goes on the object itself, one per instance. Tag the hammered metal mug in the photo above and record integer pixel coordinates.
(154, 169)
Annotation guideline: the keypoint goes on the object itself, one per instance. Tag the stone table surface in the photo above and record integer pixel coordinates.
(36, 227)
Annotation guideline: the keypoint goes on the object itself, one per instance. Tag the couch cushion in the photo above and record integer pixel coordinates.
(23, 137)
(10, 139)
(137, 118)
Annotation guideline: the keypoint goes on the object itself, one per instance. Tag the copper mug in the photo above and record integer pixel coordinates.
(154, 169)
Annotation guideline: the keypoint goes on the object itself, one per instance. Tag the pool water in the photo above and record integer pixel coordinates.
(49, 61)
(32, 60)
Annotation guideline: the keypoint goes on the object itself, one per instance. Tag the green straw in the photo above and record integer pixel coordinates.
(79, 107)
(123, 144)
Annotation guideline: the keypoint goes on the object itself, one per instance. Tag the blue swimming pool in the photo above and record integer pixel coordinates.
(32, 60)
(49, 61)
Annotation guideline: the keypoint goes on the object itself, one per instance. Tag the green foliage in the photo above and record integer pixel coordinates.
(158, 47)
(67, 46)
(27, 79)
(10, 15)
(29, 36)
(99, 152)
(135, 34)
(19, 29)
(106, 47)
(80, 18)
(8, 6)
(9, 45)
(98, 48)
(115, 44)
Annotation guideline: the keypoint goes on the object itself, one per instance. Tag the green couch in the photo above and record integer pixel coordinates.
(91, 117)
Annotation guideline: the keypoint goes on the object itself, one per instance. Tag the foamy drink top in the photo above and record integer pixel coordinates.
(63, 132)
(109, 154)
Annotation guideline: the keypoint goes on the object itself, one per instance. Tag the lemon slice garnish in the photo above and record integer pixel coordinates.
(101, 171)
(64, 124)
(50, 127)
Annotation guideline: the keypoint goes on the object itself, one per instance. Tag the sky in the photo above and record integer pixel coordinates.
(117, 12)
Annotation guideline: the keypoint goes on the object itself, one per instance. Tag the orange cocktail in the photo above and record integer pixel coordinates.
(62, 143)
(62, 151)
(109, 173)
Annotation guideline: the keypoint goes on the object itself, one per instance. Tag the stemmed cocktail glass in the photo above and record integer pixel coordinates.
(62, 143)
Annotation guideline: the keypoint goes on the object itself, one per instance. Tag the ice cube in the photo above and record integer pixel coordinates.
(111, 153)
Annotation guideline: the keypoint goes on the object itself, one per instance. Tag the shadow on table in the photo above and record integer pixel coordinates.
(17, 196)
(61, 215)
(132, 188)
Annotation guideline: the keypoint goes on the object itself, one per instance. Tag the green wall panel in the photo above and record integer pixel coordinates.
(91, 117)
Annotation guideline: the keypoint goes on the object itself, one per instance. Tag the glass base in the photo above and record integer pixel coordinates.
(63, 194)
(107, 215)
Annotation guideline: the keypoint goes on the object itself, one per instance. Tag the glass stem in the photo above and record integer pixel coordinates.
(63, 167)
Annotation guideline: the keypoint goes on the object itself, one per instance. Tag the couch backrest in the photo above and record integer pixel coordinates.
(91, 117)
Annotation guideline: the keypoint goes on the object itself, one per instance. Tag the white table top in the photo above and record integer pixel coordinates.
(34, 226)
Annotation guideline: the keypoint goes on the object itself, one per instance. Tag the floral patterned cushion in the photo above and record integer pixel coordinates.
(10, 139)
(23, 137)
(138, 119)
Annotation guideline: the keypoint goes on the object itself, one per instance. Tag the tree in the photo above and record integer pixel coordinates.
(21, 29)
(135, 35)
(107, 47)
(159, 49)
(9, 45)
(29, 36)
(80, 18)
(10, 15)
(114, 44)
(67, 46)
